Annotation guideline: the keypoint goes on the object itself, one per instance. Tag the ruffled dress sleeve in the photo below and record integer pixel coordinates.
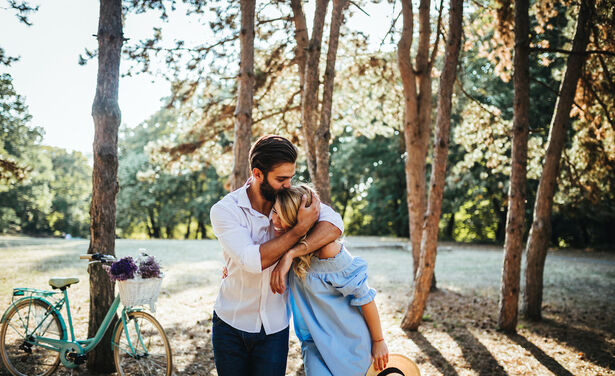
(351, 282)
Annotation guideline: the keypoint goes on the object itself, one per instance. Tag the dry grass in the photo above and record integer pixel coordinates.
(458, 336)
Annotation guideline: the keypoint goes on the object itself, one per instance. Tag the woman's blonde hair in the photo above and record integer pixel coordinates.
(290, 202)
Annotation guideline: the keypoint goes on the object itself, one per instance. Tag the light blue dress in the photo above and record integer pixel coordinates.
(327, 316)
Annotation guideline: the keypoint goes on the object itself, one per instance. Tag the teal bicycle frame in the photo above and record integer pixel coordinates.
(65, 345)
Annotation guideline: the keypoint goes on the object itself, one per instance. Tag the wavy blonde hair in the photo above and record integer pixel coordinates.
(290, 202)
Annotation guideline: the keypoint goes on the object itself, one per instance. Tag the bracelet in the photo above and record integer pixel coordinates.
(305, 244)
(377, 340)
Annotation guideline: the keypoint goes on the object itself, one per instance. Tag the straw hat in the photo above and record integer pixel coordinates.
(397, 365)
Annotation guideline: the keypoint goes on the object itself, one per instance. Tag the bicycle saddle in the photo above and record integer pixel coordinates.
(58, 283)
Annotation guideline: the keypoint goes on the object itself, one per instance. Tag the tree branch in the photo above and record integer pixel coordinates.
(595, 95)
(390, 30)
(562, 51)
(438, 31)
(556, 92)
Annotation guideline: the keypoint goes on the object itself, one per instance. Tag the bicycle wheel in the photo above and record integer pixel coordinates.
(21, 357)
(145, 350)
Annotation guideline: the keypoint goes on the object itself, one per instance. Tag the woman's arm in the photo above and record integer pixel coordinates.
(380, 352)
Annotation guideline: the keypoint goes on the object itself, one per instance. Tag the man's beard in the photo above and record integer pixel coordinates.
(268, 191)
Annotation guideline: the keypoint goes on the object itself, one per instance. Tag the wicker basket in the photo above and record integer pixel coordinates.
(136, 292)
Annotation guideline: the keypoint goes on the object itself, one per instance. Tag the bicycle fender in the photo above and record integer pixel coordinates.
(115, 328)
(64, 332)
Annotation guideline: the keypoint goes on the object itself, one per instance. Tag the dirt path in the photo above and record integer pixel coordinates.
(458, 336)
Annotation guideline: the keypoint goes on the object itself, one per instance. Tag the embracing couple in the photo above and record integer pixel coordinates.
(274, 235)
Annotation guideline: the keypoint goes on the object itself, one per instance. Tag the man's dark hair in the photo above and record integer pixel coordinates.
(270, 151)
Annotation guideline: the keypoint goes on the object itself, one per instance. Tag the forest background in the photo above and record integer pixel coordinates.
(176, 164)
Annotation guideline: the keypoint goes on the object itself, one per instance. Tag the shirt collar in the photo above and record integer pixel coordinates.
(242, 195)
(243, 200)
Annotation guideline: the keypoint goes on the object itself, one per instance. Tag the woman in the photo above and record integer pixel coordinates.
(334, 312)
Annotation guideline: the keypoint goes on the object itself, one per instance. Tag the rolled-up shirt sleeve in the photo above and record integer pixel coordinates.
(235, 238)
(327, 214)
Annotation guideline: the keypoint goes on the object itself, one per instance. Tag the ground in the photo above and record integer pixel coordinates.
(458, 335)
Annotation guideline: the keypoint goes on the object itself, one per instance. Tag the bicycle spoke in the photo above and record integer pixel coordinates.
(30, 317)
(145, 351)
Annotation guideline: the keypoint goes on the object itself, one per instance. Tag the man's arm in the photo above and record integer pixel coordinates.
(328, 229)
(322, 234)
(275, 248)
(251, 256)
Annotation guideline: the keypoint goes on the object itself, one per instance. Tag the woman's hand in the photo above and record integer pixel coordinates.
(280, 273)
(224, 272)
(380, 355)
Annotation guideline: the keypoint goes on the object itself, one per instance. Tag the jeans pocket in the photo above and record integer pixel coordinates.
(217, 322)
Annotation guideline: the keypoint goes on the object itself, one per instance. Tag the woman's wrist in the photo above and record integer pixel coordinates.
(292, 253)
(378, 340)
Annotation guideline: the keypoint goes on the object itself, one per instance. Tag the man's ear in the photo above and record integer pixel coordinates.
(258, 174)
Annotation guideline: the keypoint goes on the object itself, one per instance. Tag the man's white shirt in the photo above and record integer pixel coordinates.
(245, 300)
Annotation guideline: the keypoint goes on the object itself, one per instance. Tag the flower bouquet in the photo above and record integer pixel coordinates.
(138, 281)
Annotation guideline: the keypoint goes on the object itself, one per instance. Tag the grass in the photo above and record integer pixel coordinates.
(458, 337)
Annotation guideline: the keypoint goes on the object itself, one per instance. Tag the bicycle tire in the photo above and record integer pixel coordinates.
(19, 357)
(152, 353)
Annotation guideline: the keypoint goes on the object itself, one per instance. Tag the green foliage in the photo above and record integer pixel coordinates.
(155, 201)
(43, 190)
(368, 184)
(17, 137)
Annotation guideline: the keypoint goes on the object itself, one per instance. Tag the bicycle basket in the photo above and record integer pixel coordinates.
(136, 292)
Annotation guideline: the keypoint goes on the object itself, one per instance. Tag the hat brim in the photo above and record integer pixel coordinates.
(396, 362)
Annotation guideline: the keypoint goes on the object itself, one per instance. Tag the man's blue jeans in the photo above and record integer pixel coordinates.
(239, 353)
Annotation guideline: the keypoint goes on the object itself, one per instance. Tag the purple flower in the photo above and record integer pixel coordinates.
(122, 269)
(149, 267)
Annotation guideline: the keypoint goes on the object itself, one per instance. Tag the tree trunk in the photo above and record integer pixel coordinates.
(309, 99)
(323, 133)
(202, 229)
(107, 116)
(540, 232)
(513, 244)
(243, 111)
(417, 117)
(450, 226)
(422, 282)
(187, 234)
(155, 225)
(301, 37)
(500, 231)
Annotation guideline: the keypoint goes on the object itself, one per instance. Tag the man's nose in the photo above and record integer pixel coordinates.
(286, 185)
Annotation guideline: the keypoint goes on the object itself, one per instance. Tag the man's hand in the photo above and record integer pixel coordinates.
(307, 215)
(280, 273)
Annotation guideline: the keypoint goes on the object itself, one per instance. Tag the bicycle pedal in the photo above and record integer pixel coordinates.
(81, 358)
(77, 358)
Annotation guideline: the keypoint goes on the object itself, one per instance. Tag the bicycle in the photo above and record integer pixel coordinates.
(34, 337)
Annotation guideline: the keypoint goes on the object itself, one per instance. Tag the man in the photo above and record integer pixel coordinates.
(250, 322)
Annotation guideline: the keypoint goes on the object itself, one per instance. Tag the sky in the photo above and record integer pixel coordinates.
(59, 92)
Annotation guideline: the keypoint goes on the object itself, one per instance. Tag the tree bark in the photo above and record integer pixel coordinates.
(422, 282)
(513, 244)
(417, 117)
(243, 111)
(323, 132)
(309, 99)
(107, 116)
(302, 39)
(540, 232)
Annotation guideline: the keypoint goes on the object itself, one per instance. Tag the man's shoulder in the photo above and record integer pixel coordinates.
(228, 204)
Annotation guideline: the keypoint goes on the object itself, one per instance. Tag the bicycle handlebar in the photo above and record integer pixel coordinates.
(98, 257)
